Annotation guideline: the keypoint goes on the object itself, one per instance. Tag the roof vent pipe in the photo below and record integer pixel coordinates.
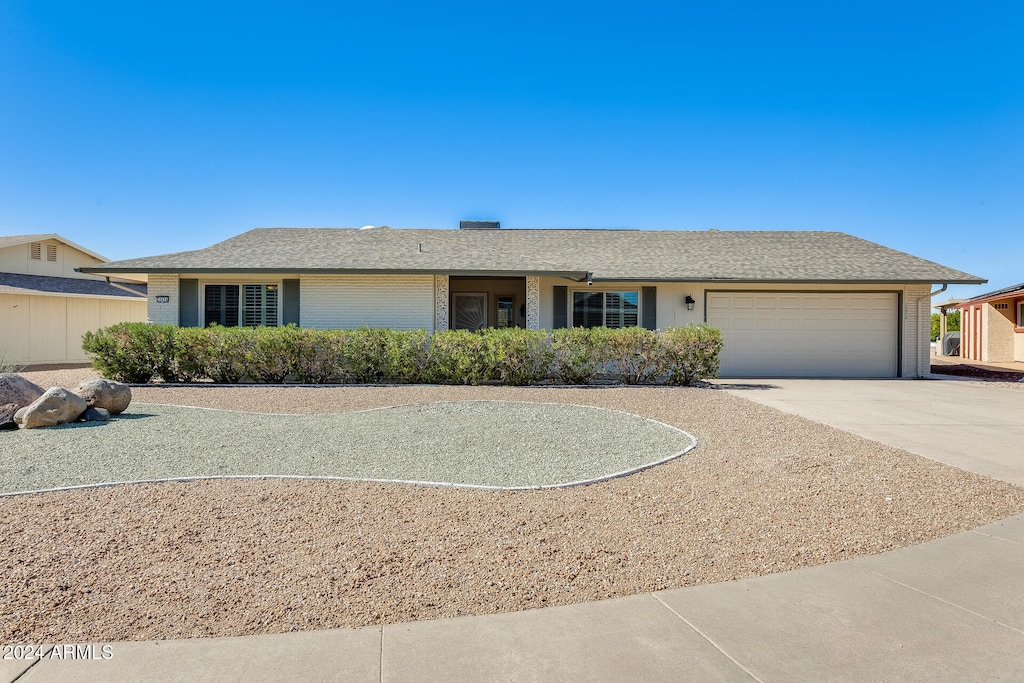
(479, 225)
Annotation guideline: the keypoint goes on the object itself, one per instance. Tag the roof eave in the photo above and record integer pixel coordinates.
(804, 281)
(574, 275)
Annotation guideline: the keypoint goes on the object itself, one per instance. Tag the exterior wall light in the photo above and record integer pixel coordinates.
(690, 301)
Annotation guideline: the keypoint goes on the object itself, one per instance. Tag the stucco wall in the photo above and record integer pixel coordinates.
(998, 344)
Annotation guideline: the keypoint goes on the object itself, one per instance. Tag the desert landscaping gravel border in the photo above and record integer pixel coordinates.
(490, 445)
(762, 492)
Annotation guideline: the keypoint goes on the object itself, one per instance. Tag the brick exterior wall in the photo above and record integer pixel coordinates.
(401, 302)
(917, 321)
(162, 284)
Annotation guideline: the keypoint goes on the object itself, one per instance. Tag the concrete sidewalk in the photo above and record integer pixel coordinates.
(949, 610)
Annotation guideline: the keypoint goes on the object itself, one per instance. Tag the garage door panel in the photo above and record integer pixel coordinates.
(807, 335)
(742, 302)
(812, 302)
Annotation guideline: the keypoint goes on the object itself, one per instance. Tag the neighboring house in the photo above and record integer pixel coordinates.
(46, 306)
(992, 326)
(789, 303)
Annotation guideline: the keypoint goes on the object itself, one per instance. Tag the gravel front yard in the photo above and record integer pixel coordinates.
(469, 443)
(763, 492)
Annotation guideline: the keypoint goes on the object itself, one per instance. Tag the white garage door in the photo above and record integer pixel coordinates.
(795, 334)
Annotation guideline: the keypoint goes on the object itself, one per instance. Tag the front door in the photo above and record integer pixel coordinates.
(469, 311)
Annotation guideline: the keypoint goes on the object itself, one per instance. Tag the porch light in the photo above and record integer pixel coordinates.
(690, 301)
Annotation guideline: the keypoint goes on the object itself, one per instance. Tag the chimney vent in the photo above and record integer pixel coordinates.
(479, 225)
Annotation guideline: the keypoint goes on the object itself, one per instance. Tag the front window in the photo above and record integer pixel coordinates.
(605, 309)
(245, 305)
(1020, 314)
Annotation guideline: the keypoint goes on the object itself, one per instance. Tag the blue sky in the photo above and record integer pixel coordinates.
(138, 128)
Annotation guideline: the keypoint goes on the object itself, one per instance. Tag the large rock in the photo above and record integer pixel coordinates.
(17, 390)
(107, 394)
(7, 412)
(94, 414)
(56, 406)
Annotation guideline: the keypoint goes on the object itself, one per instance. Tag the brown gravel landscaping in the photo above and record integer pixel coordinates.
(763, 492)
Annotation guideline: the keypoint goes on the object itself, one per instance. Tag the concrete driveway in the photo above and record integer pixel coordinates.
(977, 426)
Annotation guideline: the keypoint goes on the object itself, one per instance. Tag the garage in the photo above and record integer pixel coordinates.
(806, 334)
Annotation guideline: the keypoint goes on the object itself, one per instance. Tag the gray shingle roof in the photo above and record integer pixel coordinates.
(609, 254)
(15, 283)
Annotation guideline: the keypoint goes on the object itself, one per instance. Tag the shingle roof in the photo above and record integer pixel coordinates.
(15, 283)
(797, 256)
(1005, 291)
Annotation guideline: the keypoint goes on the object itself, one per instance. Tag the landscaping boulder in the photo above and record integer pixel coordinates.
(56, 406)
(17, 390)
(107, 394)
(7, 412)
(94, 414)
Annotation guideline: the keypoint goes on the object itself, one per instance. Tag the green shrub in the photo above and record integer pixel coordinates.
(634, 355)
(135, 352)
(225, 351)
(691, 353)
(315, 356)
(124, 352)
(457, 357)
(516, 356)
(190, 354)
(383, 355)
(579, 353)
(266, 357)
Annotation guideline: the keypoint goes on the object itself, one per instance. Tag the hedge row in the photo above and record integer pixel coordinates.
(138, 352)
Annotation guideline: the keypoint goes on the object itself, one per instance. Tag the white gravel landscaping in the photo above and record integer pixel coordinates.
(491, 444)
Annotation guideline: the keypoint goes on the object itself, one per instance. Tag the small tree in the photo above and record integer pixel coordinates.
(952, 323)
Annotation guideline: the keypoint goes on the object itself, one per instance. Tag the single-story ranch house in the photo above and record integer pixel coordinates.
(992, 326)
(812, 304)
(46, 305)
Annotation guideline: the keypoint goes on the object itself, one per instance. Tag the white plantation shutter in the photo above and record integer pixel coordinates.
(259, 305)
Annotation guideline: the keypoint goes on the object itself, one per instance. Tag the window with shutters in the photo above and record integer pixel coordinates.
(51, 252)
(241, 305)
(605, 309)
(35, 251)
